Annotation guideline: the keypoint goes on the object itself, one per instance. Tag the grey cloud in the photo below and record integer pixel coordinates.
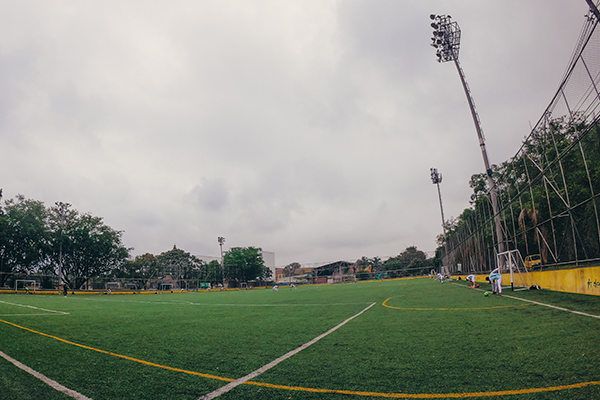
(211, 195)
(305, 128)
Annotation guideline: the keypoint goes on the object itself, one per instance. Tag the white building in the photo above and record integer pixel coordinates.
(269, 258)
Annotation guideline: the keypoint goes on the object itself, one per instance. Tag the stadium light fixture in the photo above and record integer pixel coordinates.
(221, 240)
(436, 179)
(446, 41)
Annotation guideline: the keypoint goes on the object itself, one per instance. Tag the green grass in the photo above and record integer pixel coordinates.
(430, 338)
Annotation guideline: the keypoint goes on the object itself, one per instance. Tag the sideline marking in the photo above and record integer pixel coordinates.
(45, 379)
(35, 308)
(273, 363)
(551, 306)
(337, 391)
(544, 304)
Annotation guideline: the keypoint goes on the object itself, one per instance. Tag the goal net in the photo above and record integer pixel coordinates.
(519, 276)
(113, 285)
(26, 284)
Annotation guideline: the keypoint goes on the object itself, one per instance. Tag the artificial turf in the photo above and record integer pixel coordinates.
(421, 338)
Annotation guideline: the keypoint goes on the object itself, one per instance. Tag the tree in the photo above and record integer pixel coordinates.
(376, 264)
(414, 259)
(23, 237)
(83, 246)
(410, 262)
(394, 264)
(143, 268)
(180, 265)
(288, 270)
(214, 271)
(244, 264)
(362, 264)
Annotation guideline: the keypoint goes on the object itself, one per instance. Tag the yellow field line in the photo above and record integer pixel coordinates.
(316, 390)
(447, 309)
(120, 355)
(428, 395)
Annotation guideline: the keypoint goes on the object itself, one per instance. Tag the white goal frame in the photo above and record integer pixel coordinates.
(113, 285)
(34, 286)
(519, 275)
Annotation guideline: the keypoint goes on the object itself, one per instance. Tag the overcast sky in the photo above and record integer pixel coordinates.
(307, 128)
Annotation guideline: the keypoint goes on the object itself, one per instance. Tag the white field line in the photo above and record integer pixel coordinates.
(45, 379)
(544, 304)
(27, 315)
(35, 308)
(556, 307)
(284, 357)
(225, 304)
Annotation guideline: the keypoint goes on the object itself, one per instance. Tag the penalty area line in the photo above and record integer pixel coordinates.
(44, 378)
(254, 374)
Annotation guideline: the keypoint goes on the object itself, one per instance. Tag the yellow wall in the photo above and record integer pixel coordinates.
(577, 280)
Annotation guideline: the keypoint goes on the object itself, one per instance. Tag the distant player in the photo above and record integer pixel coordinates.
(276, 288)
(471, 278)
(292, 286)
(495, 279)
(440, 277)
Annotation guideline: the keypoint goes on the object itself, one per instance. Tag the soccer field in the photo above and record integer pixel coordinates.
(413, 338)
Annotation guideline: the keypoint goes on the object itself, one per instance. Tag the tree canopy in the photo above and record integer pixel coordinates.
(57, 240)
(244, 264)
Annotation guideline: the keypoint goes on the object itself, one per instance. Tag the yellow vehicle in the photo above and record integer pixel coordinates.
(532, 260)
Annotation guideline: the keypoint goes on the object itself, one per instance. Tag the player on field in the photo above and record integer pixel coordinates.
(495, 279)
(471, 278)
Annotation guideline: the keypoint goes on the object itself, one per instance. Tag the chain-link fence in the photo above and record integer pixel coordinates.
(548, 192)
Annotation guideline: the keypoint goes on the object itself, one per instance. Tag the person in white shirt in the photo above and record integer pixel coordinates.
(471, 278)
(495, 279)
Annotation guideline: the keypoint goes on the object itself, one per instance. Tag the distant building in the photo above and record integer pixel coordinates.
(269, 258)
(330, 272)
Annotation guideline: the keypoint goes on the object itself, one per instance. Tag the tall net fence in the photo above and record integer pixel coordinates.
(548, 192)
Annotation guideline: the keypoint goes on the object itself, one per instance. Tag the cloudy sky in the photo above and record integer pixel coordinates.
(307, 128)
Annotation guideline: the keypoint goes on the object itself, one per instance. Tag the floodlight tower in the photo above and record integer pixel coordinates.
(436, 179)
(446, 39)
(221, 240)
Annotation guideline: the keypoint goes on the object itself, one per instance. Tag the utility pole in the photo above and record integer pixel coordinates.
(446, 39)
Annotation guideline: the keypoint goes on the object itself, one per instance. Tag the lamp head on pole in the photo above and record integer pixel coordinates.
(446, 37)
(436, 177)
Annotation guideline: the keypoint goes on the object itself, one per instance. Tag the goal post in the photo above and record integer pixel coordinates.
(519, 275)
(113, 285)
(26, 284)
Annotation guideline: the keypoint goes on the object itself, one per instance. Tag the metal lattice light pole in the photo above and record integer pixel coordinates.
(221, 240)
(436, 178)
(446, 40)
